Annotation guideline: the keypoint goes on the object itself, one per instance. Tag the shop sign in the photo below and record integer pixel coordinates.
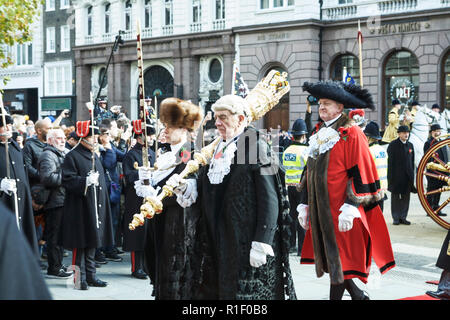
(403, 90)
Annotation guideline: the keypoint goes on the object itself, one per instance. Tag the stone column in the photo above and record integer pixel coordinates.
(83, 81)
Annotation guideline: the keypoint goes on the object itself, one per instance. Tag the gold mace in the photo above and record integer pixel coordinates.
(260, 99)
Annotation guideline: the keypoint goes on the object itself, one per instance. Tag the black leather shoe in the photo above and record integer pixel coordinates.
(139, 274)
(442, 214)
(396, 223)
(61, 274)
(439, 294)
(113, 257)
(83, 285)
(97, 283)
(100, 258)
(405, 222)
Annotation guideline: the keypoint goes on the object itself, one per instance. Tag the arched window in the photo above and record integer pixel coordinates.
(401, 79)
(347, 62)
(127, 13)
(89, 20)
(107, 18)
(278, 117)
(447, 81)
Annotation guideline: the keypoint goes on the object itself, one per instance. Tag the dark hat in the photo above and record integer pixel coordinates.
(73, 135)
(396, 101)
(403, 129)
(8, 120)
(435, 106)
(372, 130)
(350, 95)
(415, 103)
(299, 127)
(435, 127)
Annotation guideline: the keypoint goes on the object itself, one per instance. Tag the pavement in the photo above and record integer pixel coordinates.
(416, 248)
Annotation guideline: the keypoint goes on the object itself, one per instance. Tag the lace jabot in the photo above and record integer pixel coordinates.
(221, 162)
(322, 141)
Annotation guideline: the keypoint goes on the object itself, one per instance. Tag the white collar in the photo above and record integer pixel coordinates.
(176, 147)
(330, 122)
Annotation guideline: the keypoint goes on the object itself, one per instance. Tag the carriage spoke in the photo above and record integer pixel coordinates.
(442, 163)
(439, 190)
(438, 176)
(438, 167)
(442, 206)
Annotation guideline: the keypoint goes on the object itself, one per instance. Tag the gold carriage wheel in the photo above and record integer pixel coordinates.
(422, 172)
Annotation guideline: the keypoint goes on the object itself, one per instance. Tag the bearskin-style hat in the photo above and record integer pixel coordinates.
(179, 113)
(350, 95)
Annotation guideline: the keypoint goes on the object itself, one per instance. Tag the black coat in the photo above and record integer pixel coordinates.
(169, 243)
(78, 225)
(18, 172)
(443, 261)
(442, 154)
(50, 173)
(245, 207)
(400, 167)
(133, 240)
(20, 274)
(32, 150)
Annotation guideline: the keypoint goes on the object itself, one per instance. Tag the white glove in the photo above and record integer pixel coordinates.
(92, 178)
(178, 184)
(144, 191)
(8, 186)
(190, 194)
(303, 215)
(349, 212)
(258, 254)
(145, 174)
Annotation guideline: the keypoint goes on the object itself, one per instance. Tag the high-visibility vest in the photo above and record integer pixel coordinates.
(381, 161)
(293, 162)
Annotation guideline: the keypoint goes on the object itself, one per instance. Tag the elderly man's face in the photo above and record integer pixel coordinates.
(329, 109)
(57, 139)
(403, 136)
(227, 123)
(5, 132)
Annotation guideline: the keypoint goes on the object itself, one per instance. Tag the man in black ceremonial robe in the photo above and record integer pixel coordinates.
(18, 180)
(83, 227)
(242, 241)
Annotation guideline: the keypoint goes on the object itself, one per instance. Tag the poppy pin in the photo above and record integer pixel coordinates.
(185, 155)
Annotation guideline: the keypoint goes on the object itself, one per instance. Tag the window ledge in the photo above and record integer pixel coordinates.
(273, 10)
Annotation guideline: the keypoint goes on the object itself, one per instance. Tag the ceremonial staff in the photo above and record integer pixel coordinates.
(156, 127)
(360, 55)
(91, 109)
(261, 99)
(143, 111)
(8, 170)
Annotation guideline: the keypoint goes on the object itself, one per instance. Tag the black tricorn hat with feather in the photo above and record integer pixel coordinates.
(350, 95)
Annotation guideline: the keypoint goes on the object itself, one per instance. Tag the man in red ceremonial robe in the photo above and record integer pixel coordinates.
(340, 191)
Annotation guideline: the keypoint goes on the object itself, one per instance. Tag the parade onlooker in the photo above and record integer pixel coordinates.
(50, 172)
(71, 140)
(340, 193)
(243, 242)
(401, 175)
(442, 153)
(294, 163)
(17, 183)
(110, 156)
(390, 132)
(372, 132)
(134, 240)
(101, 111)
(86, 224)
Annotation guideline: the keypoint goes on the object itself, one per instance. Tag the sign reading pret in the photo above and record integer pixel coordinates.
(403, 90)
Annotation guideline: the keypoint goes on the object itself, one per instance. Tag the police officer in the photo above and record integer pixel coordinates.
(293, 163)
(372, 132)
